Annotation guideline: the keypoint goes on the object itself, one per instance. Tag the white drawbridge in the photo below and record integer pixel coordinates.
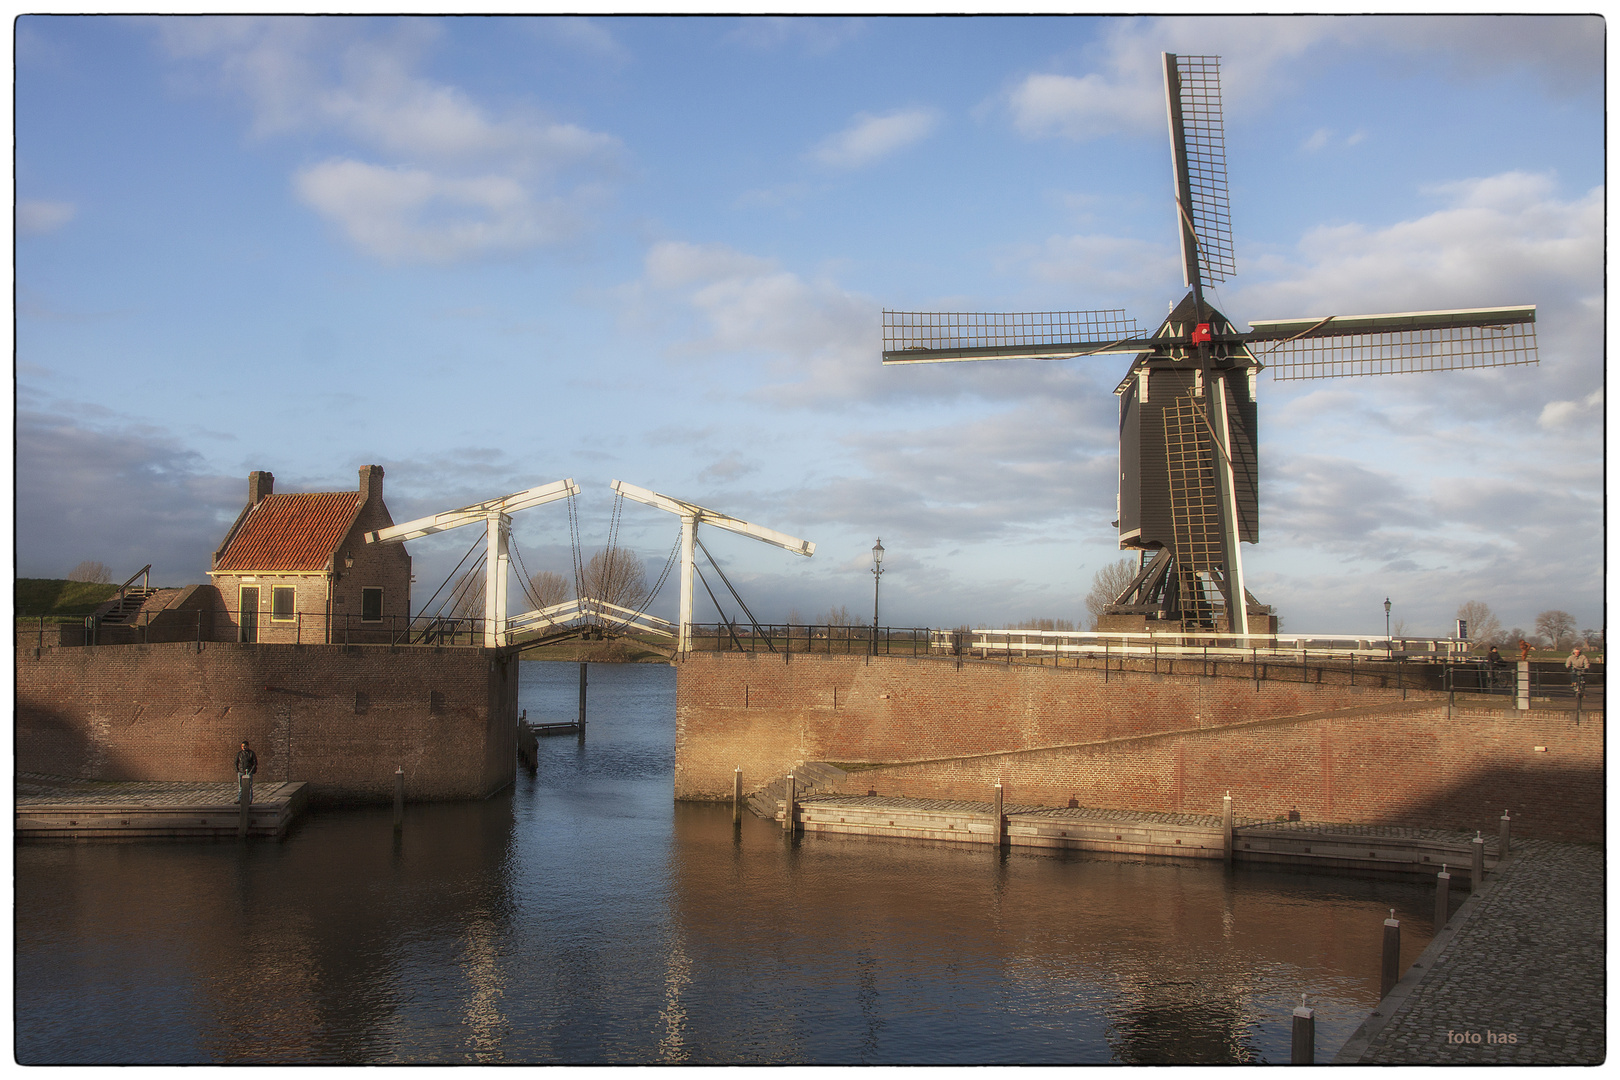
(496, 515)
(691, 515)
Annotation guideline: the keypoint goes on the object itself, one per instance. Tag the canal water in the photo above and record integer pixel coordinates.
(584, 917)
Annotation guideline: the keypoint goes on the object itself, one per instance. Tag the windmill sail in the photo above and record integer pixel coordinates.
(929, 337)
(1396, 343)
(1192, 92)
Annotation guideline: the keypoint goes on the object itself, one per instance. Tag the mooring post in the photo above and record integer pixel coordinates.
(1304, 1050)
(1392, 955)
(1504, 837)
(399, 797)
(1478, 875)
(244, 798)
(787, 806)
(998, 828)
(582, 701)
(1226, 827)
(1442, 898)
(736, 796)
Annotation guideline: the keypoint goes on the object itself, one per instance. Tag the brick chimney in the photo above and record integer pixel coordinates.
(371, 477)
(260, 484)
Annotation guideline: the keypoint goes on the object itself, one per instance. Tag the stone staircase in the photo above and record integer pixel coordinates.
(122, 610)
(809, 778)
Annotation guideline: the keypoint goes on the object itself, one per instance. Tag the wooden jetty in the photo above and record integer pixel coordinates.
(1361, 850)
(63, 808)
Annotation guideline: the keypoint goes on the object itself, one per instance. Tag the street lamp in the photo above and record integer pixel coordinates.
(877, 579)
(1389, 645)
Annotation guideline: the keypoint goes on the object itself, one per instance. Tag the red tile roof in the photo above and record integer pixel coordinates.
(291, 532)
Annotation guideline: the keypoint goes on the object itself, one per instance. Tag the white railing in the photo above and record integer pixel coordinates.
(1173, 644)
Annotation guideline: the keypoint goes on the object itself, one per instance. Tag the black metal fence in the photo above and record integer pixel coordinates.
(794, 638)
(300, 629)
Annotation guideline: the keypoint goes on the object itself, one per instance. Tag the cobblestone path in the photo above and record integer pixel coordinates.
(1524, 975)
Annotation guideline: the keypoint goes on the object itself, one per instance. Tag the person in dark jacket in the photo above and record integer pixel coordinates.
(247, 763)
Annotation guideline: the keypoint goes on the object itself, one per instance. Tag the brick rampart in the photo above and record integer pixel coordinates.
(1136, 740)
(340, 718)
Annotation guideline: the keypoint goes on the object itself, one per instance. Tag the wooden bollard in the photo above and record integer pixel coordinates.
(1477, 880)
(1226, 827)
(1504, 836)
(244, 796)
(582, 702)
(998, 827)
(1392, 955)
(1442, 898)
(736, 796)
(399, 797)
(787, 806)
(1304, 1049)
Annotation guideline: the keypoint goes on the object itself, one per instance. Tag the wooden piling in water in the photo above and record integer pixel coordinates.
(1226, 828)
(1442, 898)
(1392, 955)
(244, 799)
(582, 701)
(787, 806)
(1304, 1047)
(736, 796)
(998, 820)
(399, 797)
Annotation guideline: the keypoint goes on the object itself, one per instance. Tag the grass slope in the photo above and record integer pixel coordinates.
(52, 596)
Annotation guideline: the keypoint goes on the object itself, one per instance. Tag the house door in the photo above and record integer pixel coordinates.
(250, 613)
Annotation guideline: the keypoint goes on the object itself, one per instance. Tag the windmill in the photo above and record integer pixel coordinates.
(1188, 450)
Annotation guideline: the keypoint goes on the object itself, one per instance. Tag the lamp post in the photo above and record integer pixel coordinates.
(877, 580)
(1389, 645)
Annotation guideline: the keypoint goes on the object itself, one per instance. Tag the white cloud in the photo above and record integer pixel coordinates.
(448, 179)
(37, 216)
(1124, 91)
(1083, 108)
(871, 138)
(1500, 240)
(1562, 415)
(1319, 138)
(412, 215)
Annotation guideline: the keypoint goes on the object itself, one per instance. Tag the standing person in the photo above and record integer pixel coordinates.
(1493, 657)
(1577, 665)
(247, 763)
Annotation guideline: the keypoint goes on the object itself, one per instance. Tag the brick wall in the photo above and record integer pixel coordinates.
(1162, 742)
(339, 718)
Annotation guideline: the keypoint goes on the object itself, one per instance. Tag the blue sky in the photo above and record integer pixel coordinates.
(490, 253)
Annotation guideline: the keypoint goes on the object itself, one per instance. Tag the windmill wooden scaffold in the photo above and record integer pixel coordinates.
(1188, 448)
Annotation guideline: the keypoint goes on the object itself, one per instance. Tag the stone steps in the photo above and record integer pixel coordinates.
(809, 778)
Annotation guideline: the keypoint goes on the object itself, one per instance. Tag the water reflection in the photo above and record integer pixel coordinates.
(583, 917)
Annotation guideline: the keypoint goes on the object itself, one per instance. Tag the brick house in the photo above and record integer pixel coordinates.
(296, 568)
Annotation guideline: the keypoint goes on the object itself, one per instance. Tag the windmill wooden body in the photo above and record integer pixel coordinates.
(1188, 449)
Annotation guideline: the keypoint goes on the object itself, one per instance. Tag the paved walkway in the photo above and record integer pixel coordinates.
(1520, 968)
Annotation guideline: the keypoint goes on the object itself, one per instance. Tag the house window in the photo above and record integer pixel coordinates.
(370, 605)
(281, 603)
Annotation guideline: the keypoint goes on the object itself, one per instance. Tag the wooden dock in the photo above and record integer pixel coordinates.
(61, 808)
(1376, 850)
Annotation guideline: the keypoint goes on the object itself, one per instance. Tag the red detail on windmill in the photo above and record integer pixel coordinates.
(1201, 333)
